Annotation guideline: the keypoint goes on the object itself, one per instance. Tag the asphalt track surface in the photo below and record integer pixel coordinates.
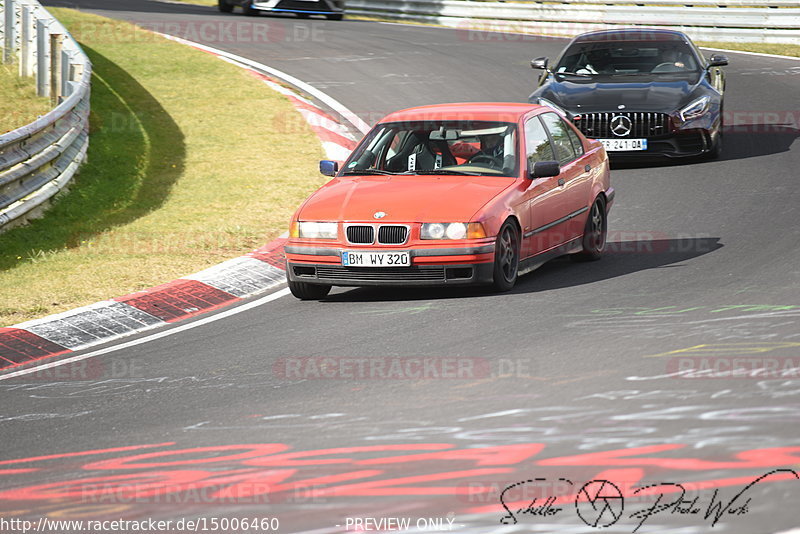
(580, 358)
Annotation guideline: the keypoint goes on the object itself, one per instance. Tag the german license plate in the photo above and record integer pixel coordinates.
(618, 145)
(360, 258)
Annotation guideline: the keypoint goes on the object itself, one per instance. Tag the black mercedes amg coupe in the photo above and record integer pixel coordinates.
(640, 92)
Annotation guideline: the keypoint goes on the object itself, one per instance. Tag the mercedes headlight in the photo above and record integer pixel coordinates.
(317, 230)
(696, 109)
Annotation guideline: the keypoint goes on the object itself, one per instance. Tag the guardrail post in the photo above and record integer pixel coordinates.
(9, 25)
(56, 44)
(42, 81)
(70, 86)
(75, 71)
(26, 54)
(66, 58)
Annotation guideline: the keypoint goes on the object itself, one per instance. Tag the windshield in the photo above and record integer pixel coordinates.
(627, 58)
(437, 147)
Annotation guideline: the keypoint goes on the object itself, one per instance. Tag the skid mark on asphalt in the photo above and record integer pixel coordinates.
(731, 349)
(407, 310)
(555, 380)
(613, 418)
(730, 322)
(35, 387)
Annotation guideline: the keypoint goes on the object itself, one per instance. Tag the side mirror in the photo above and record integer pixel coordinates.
(328, 167)
(543, 169)
(539, 63)
(717, 60)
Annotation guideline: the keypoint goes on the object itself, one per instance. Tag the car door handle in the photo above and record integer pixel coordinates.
(587, 168)
(560, 181)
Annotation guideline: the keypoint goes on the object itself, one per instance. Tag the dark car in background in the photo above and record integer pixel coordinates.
(640, 92)
(331, 9)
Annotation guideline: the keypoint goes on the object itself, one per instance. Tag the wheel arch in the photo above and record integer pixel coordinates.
(513, 218)
(598, 192)
(492, 222)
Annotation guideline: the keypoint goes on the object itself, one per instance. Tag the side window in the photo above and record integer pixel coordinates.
(698, 55)
(577, 145)
(394, 146)
(560, 134)
(537, 144)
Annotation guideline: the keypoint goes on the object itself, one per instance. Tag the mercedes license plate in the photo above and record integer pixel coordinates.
(619, 145)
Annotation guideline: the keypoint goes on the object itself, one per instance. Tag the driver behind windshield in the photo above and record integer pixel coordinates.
(468, 147)
(627, 58)
(598, 61)
(491, 145)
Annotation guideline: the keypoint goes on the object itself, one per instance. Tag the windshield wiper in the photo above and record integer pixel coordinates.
(569, 73)
(369, 171)
(446, 171)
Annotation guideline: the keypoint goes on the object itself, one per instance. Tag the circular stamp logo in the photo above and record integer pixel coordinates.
(599, 503)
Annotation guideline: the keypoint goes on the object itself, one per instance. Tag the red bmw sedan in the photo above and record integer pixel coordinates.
(474, 193)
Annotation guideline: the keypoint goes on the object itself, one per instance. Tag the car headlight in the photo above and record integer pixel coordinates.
(695, 109)
(545, 102)
(452, 231)
(315, 230)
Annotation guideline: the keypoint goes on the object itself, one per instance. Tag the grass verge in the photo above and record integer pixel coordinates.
(763, 48)
(19, 104)
(191, 161)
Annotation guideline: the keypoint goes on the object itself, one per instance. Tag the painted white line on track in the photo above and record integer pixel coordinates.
(331, 102)
(222, 315)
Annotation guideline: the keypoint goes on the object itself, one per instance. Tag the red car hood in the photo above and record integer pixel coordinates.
(415, 198)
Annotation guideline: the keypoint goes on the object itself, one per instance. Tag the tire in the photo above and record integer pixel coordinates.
(594, 233)
(247, 9)
(224, 6)
(506, 257)
(335, 16)
(716, 150)
(306, 291)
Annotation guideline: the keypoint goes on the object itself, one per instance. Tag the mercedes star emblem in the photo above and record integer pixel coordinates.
(621, 125)
(379, 215)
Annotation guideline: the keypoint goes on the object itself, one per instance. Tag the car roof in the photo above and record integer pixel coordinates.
(482, 111)
(632, 34)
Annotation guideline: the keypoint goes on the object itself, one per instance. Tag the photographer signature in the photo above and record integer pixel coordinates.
(600, 503)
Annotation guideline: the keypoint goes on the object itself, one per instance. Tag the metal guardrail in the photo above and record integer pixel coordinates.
(770, 21)
(38, 160)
